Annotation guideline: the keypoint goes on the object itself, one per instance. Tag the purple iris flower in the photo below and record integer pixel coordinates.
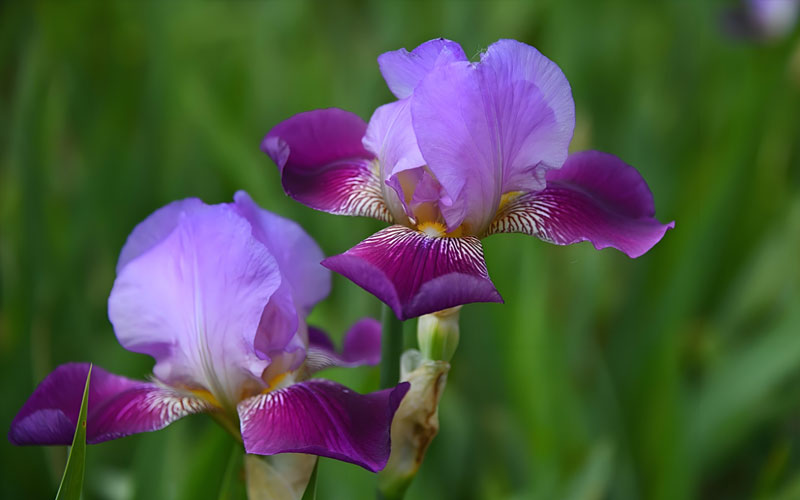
(468, 150)
(762, 20)
(218, 295)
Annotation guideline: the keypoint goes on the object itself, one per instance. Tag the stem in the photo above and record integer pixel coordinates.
(391, 348)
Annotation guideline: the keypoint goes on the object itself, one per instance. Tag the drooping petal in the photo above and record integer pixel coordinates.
(298, 255)
(117, 407)
(323, 418)
(361, 346)
(403, 70)
(324, 165)
(415, 273)
(194, 302)
(492, 127)
(594, 197)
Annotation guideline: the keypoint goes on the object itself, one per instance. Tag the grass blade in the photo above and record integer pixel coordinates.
(72, 480)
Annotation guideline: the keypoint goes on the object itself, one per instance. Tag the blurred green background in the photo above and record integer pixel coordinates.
(667, 377)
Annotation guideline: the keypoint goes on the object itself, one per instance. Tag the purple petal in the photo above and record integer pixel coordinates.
(117, 407)
(195, 301)
(390, 136)
(594, 197)
(403, 70)
(415, 273)
(488, 128)
(154, 229)
(323, 418)
(324, 165)
(361, 346)
(298, 255)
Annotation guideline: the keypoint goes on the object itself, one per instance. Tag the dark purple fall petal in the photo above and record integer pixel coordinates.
(414, 273)
(594, 197)
(324, 165)
(361, 346)
(492, 127)
(323, 418)
(117, 407)
(403, 70)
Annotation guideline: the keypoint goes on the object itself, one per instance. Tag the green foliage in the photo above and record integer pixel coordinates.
(72, 480)
(675, 375)
(311, 489)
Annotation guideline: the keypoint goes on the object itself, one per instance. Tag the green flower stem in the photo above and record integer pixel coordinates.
(391, 348)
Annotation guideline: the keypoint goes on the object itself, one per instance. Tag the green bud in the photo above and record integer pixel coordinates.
(437, 334)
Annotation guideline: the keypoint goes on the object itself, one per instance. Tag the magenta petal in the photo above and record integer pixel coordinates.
(415, 273)
(324, 165)
(323, 418)
(361, 346)
(117, 407)
(594, 197)
(403, 70)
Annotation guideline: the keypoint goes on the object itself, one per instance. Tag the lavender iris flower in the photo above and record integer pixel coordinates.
(762, 20)
(468, 150)
(218, 295)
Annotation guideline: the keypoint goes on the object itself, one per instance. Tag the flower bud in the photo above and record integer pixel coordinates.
(437, 334)
(416, 422)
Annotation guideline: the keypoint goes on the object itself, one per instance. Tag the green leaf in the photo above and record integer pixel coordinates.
(72, 481)
(311, 489)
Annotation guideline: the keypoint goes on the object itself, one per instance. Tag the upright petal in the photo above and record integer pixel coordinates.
(415, 273)
(117, 407)
(594, 197)
(324, 165)
(492, 127)
(390, 136)
(323, 418)
(297, 254)
(154, 229)
(195, 300)
(403, 70)
(361, 346)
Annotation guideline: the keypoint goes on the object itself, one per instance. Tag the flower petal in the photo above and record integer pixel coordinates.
(323, 418)
(297, 254)
(594, 197)
(194, 302)
(154, 229)
(324, 165)
(415, 273)
(403, 70)
(361, 346)
(488, 128)
(118, 407)
(390, 136)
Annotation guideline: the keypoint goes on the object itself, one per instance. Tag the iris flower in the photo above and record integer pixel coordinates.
(218, 295)
(468, 150)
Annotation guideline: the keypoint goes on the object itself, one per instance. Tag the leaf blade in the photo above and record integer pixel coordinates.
(72, 480)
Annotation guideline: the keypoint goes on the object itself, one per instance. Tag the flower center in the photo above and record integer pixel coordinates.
(438, 230)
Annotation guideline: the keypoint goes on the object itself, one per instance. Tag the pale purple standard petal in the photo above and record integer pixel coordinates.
(390, 136)
(297, 254)
(488, 128)
(414, 273)
(322, 418)
(361, 346)
(194, 302)
(117, 407)
(594, 197)
(154, 229)
(324, 165)
(403, 70)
